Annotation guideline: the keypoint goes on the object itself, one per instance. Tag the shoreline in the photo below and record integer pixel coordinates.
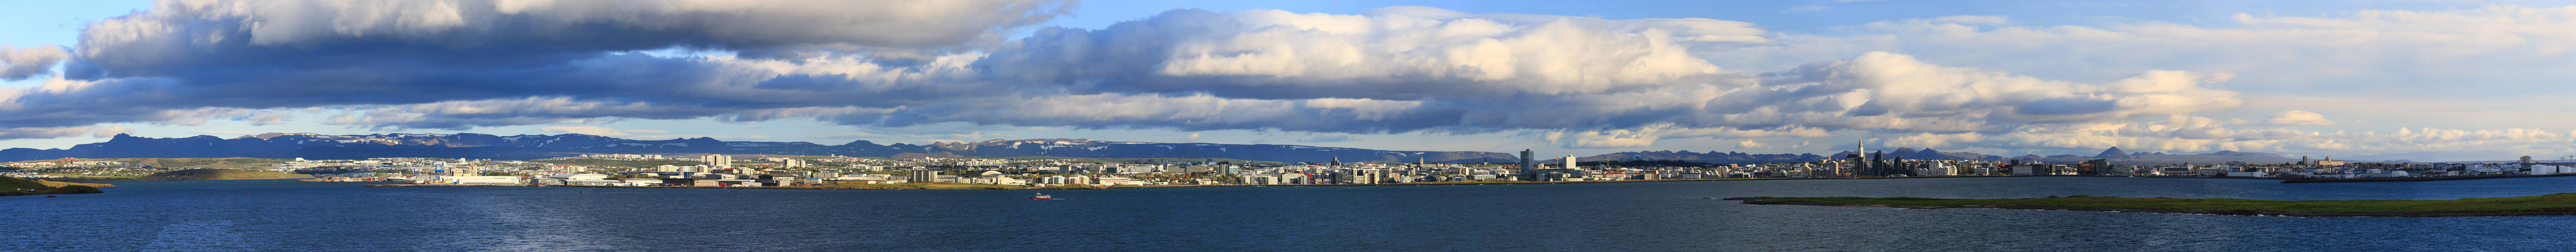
(2352, 180)
(2283, 180)
(160, 180)
(1652, 180)
(2245, 212)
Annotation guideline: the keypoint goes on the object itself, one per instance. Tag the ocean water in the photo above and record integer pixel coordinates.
(287, 215)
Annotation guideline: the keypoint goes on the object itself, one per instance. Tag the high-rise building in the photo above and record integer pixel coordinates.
(1337, 161)
(1569, 162)
(716, 161)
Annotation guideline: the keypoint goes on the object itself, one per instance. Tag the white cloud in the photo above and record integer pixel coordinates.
(585, 130)
(1750, 144)
(223, 132)
(717, 137)
(597, 131)
(1577, 82)
(30, 62)
(1329, 139)
(2296, 118)
(2362, 50)
(110, 130)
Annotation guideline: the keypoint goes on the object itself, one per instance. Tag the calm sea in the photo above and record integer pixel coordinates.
(287, 215)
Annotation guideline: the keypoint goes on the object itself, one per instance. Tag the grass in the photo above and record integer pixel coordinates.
(2542, 203)
(11, 186)
(196, 174)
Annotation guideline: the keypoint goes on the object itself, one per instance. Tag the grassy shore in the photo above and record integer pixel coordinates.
(11, 186)
(2553, 204)
(193, 174)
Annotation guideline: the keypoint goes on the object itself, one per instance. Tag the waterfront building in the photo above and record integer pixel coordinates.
(2329, 161)
(1569, 162)
(1527, 166)
(923, 175)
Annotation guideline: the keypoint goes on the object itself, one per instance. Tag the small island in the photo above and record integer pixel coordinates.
(2552, 204)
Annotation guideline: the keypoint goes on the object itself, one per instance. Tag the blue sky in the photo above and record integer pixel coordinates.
(2418, 80)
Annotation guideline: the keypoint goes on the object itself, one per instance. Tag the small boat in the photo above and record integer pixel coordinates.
(1042, 196)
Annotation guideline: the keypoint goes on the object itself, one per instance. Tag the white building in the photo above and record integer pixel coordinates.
(716, 161)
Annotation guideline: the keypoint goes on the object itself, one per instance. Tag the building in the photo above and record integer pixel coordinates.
(1569, 162)
(1365, 176)
(2329, 161)
(1528, 167)
(923, 175)
(794, 163)
(716, 161)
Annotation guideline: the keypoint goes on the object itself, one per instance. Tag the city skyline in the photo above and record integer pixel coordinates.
(2426, 81)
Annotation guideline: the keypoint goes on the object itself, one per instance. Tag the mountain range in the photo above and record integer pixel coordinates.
(521, 147)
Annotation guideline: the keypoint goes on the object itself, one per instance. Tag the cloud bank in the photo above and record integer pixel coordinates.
(1579, 82)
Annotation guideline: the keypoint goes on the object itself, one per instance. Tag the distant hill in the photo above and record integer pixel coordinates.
(192, 163)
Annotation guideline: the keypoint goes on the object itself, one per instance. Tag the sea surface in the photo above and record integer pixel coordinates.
(288, 215)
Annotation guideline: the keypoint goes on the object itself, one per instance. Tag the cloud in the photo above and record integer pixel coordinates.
(717, 137)
(1329, 139)
(597, 131)
(2296, 118)
(223, 132)
(585, 130)
(1193, 137)
(1576, 82)
(1582, 82)
(1750, 144)
(110, 130)
(2474, 49)
(23, 63)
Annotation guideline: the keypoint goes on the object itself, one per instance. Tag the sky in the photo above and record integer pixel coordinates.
(2361, 80)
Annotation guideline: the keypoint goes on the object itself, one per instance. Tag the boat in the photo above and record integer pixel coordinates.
(1042, 196)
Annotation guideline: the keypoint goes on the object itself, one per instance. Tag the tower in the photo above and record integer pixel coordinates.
(1877, 165)
(1337, 161)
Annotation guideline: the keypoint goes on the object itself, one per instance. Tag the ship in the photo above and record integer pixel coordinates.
(1042, 196)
